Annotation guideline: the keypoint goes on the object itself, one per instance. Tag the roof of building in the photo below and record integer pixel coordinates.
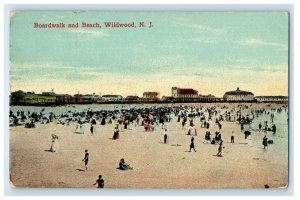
(271, 97)
(131, 96)
(111, 95)
(238, 92)
(208, 96)
(188, 91)
(151, 93)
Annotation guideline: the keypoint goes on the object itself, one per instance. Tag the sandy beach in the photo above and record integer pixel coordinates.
(245, 164)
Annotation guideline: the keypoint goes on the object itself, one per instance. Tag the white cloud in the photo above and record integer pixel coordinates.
(186, 22)
(260, 42)
(202, 28)
(92, 73)
(206, 40)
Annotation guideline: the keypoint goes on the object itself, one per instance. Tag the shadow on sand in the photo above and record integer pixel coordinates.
(217, 156)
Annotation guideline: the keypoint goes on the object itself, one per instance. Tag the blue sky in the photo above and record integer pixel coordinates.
(212, 52)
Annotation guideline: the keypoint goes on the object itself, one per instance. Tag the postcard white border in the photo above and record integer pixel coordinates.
(8, 191)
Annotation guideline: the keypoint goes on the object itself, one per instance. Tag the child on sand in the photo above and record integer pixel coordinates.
(100, 182)
(86, 159)
(52, 148)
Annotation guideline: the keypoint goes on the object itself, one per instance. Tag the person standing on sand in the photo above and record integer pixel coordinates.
(266, 127)
(148, 129)
(165, 138)
(220, 149)
(265, 142)
(274, 129)
(86, 159)
(272, 117)
(116, 135)
(53, 149)
(232, 137)
(165, 125)
(93, 126)
(92, 129)
(192, 146)
(259, 126)
(81, 129)
(100, 182)
(183, 123)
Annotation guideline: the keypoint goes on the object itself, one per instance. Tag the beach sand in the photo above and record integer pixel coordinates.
(156, 165)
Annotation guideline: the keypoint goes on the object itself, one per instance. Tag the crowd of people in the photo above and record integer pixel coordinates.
(162, 117)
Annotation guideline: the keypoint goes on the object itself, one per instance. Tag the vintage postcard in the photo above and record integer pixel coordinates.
(149, 99)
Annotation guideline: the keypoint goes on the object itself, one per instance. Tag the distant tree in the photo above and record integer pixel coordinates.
(17, 96)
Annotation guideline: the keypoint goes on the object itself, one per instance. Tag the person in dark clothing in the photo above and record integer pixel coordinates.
(116, 135)
(86, 159)
(183, 123)
(220, 125)
(266, 126)
(232, 137)
(259, 127)
(207, 137)
(93, 122)
(274, 129)
(192, 146)
(92, 129)
(100, 182)
(165, 138)
(220, 149)
(265, 142)
(103, 121)
(247, 134)
(123, 165)
(218, 136)
(213, 141)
